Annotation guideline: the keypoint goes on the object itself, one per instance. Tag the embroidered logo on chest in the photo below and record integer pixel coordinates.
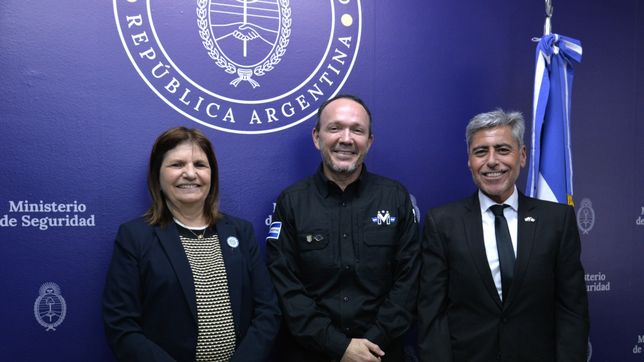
(383, 217)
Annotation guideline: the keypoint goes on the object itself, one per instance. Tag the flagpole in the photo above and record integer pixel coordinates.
(547, 26)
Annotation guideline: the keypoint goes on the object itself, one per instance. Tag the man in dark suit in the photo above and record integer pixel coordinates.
(507, 286)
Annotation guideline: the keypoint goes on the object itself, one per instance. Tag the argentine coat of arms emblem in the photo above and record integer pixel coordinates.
(50, 308)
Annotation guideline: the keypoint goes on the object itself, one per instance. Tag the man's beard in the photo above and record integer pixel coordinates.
(342, 170)
(335, 168)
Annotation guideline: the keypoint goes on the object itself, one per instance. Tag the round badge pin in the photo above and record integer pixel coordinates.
(232, 241)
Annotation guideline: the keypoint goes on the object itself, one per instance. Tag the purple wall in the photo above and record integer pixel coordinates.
(78, 122)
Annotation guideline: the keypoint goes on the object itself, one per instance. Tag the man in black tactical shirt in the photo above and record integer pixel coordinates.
(343, 249)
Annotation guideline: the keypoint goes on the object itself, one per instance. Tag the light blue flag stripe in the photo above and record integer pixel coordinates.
(550, 170)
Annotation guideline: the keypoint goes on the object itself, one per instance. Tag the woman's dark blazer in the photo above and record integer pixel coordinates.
(149, 305)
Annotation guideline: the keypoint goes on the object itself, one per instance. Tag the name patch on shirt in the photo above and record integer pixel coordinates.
(274, 230)
(383, 217)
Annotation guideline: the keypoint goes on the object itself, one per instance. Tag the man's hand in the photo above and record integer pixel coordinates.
(362, 350)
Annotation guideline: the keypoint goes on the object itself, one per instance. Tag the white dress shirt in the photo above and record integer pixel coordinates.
(489, 236)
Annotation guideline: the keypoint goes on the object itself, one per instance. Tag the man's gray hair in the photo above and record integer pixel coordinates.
(496, 118)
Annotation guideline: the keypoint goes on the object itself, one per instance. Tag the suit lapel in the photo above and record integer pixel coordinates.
(171, 243)
(473, 226)
(232, 260)
(526, 225)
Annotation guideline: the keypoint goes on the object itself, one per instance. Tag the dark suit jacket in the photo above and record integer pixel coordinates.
(461, 317)
(149, 302)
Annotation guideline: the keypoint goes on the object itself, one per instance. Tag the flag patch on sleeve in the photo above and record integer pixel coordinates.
(274, 230)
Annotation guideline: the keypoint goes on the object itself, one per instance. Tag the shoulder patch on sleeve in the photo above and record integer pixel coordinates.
(274, 230)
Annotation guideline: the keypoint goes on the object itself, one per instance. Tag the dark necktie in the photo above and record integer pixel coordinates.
(504, 247)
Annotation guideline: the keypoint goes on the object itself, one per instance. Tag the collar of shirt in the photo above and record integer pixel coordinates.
(327, 187)
(512, 201)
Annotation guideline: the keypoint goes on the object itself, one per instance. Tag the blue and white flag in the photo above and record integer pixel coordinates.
(550, 169)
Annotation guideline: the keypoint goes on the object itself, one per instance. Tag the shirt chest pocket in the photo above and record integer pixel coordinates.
(379, 249)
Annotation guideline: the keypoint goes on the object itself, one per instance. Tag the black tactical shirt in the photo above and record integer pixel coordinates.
(345, 264)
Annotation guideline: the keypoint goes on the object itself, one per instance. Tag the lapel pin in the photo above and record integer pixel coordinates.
(232, 241)
(529, 219)
(310, 238)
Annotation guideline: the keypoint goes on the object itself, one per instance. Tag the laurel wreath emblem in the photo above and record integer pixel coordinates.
(220, 59)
